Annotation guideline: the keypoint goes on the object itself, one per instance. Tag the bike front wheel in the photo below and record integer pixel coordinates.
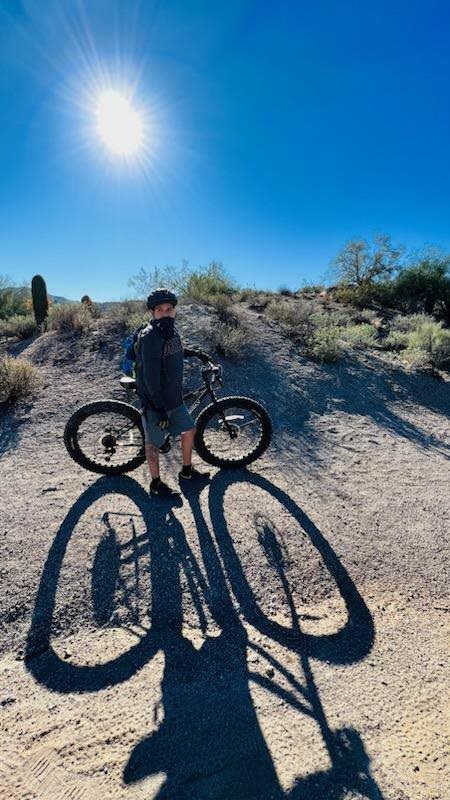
(106, 437)
(232, 432)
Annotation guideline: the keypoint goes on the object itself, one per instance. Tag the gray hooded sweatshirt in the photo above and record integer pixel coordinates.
(159, 368)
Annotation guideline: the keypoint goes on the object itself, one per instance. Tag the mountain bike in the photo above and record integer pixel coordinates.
(107, 436)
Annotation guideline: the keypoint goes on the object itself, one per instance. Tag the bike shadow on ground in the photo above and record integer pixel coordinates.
(210, 742)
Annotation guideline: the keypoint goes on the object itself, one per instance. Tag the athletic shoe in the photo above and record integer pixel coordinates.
(161, 489)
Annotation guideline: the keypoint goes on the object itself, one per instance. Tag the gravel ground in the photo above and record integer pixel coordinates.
(281, 633)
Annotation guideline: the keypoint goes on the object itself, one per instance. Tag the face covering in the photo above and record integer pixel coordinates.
(166, 326)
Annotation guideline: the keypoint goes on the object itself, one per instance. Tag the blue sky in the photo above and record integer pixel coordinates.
(276, 131)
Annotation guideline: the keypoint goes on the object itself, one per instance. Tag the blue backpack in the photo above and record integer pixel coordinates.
(129, 345)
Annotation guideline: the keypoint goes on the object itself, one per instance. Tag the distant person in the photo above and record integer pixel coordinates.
(159, 384)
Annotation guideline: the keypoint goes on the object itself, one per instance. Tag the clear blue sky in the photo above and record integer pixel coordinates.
(279, 130)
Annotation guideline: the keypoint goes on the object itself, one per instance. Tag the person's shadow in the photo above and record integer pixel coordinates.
(209, 744)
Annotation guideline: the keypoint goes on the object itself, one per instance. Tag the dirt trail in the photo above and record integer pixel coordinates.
(281, 634)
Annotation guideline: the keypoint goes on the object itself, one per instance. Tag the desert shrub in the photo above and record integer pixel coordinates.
(259, 301)
(291, 315)
(69, 318)
(175, 277)
(21, 326)
(223, 305)
(285, 291)
(409, 322)
(429, 342)
(364, 315)
(366, 295)
(127, 315)
(324, 343)
(13, 302)
(205, 284)
(425, 287)
(280, 311)
(317, 333)
(19, 379)
(247, 294)
(311, 288)
(345, 316)
(231, 342)
(395, 340)
(359, 336)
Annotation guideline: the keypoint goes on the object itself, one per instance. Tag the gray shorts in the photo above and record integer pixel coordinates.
(180, 420)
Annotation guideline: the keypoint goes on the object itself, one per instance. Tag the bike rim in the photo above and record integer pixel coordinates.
(109, 439)
(237, 437)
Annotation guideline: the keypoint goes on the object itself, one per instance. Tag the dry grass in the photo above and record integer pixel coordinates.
(21, 326)
(230, 341)
(69, 318)
(19, 379)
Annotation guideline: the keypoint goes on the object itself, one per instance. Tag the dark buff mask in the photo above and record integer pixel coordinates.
(166, 325)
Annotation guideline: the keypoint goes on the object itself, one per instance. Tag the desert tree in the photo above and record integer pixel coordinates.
(358, 262)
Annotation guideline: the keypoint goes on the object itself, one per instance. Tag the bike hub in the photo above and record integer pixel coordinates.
(108, 441)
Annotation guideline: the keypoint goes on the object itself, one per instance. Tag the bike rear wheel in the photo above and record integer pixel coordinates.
(106, 437)
(237, 440)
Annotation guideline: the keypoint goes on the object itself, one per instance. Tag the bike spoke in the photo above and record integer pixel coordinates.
(236, 438)
(107, 439)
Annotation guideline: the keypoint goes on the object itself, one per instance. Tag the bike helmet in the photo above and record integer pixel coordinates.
(161, 295)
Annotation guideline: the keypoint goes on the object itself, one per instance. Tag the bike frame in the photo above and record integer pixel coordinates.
(200, 392)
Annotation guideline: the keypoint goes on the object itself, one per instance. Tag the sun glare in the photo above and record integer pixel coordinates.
(119, 125)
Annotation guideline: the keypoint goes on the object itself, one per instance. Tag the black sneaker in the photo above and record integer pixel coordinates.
(194, 474)
(161, 489)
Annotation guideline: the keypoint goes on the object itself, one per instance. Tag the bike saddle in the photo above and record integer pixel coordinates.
(127, 382)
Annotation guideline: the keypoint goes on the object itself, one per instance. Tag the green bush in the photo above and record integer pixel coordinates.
(324, 344)
(365, 315)
(19, 379)
(207, 283)
(425, 287)
(409, 322)
(291, 315)
(395, 340)
(231, 342)
(360, 336)
(21, 326)
(13, 302)
(430, 342)
(366, 295)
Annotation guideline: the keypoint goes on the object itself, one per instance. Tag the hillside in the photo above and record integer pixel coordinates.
(280, 635)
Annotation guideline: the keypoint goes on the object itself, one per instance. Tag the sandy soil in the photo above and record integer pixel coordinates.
(281, 634)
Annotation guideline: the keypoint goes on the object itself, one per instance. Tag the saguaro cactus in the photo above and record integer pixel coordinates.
(40, 300)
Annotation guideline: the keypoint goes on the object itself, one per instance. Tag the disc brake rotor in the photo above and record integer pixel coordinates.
(235, 436)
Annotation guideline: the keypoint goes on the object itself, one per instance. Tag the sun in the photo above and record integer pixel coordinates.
(119, 124)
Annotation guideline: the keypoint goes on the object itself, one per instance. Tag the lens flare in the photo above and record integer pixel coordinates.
(119, 125)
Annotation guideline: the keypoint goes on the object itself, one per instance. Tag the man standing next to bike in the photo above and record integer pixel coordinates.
(159, 384)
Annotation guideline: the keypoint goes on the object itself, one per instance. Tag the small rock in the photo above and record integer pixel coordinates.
(7, 700)
(270, 672)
